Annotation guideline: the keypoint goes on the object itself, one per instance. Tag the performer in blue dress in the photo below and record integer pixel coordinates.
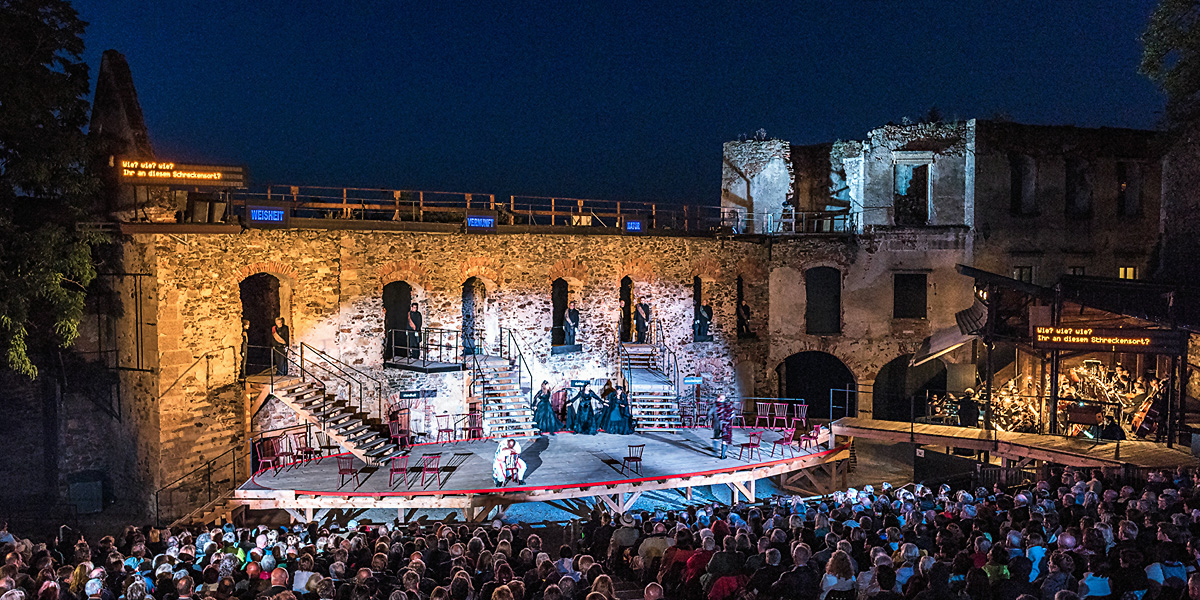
(543, 412)
(585, 416)
(616, 417)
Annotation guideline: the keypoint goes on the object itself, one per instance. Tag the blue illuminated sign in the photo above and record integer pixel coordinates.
(633, 225)
(267, 215)
(481, 222)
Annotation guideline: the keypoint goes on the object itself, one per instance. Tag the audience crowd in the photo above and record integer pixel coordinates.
(1076, 535)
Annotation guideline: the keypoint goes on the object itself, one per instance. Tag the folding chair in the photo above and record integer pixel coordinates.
(752, 445)
(634, 459)
(399, 464)
(346, 469)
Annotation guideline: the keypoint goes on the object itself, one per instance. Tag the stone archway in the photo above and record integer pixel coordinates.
(814, 376)
(263, 295)
(900, 392)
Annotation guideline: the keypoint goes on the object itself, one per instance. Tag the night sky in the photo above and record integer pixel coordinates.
(627, 101)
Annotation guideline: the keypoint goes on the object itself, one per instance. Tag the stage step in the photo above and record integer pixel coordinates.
(364, 436)
(505, 407)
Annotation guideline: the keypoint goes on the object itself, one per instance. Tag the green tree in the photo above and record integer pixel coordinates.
(45, 263)
(1171, 57)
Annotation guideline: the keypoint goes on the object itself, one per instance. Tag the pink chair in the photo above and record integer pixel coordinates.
(785, 441)
(813, 438)
(781, 411)
(346, 469)
(399, 465)
(800, 420)
(755, 443)
(282, 454)
(474, 428)
(267, 456)
(401, 437)
(445, 430)
(431, 466)
(763, 412)
(301, 448)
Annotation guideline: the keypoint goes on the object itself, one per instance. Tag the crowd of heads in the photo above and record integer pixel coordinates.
(1077, 534)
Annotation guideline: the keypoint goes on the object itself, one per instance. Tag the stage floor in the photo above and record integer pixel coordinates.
(553, 463)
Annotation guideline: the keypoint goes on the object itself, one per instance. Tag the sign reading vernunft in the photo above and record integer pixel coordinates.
(154, 172)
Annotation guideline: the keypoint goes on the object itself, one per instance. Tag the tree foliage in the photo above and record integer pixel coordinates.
(45, 263)
(1171, 57)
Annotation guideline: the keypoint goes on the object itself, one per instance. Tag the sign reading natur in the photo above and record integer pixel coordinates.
(151, 172)
(1140, 341)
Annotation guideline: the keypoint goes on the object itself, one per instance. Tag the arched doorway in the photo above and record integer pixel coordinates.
(901, 392)
(397, 302)
(626, 316)
(812, 376)
(261, 303)
(480, 326)
(701, 312)
(559, 293)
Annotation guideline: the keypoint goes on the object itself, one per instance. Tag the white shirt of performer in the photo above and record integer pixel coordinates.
(508, 454)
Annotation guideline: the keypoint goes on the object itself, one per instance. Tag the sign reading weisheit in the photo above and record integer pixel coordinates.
(151, 172)
(1140, 341)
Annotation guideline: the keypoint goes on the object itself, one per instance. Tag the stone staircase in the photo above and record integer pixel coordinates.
(653, 399)
(505, 406)
(221, 510)
(359, 433)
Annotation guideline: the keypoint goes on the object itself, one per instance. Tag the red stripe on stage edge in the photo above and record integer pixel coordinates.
(440, 492)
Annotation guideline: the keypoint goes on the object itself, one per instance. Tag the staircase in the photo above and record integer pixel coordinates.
(505, 407)
(653, 398)
(360, 433)
(221, 510)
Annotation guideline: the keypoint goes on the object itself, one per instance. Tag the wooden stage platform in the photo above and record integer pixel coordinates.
(564, 466)
(1075, 452)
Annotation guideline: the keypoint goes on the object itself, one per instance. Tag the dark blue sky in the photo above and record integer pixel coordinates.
(595, 99)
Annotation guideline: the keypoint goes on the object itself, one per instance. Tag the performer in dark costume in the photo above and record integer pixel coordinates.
(616, 417)
(720, 413)
(968, 409)
(585, 416)
(743, 320)
(571, 324)
(641, 320)
(415, 320)
(543, 412)
(704, 315)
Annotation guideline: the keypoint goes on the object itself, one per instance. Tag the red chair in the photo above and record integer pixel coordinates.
(739, 417)
(325, 445)
(813, 438)
(800, 421)
(402, 437)
(755, 443)
(282, 454)
(346, 469)
(634, 460)
(431, 465)
(266, 455)
(301, 448)
(763, 412)
(781, 411)
(786, 441)
(474, 428)
(445, 428)
(512, 471)
(399, 464)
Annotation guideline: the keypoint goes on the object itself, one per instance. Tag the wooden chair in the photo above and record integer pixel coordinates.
(266, 455)
(402, 437)
(781, 415)
(762, 410)
(755, 443)
(445, 428)
(474, 428)
(786, 441)
(634, 459)
(812, 438)
(511, 470)
(431, 466)
(282, 454)
(739, 417)
(800, 419)
(326, 445)
(300, 446)
(398, 465)
(346, 469)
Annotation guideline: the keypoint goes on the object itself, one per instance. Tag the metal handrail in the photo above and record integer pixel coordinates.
(207, 468)
(507, 333)
(343, 368)
(670, 359)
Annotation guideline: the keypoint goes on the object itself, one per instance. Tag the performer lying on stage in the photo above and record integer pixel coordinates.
(508, 455)
(585, 411)
(616, 417)
(543, 412)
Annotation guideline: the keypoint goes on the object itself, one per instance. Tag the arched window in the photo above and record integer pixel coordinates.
(260, 305)
(701, 312)
(474, 307)
(823, 301)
